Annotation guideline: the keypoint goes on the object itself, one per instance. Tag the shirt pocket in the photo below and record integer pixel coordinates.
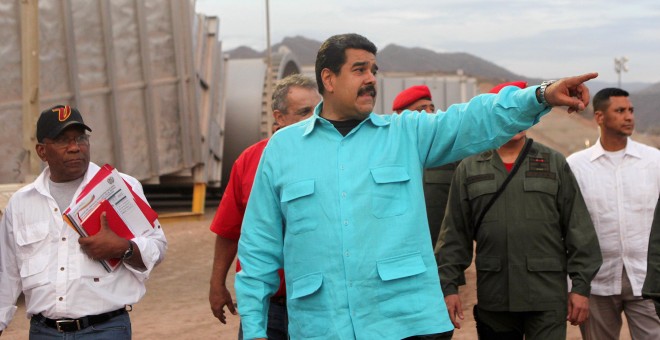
(298, 203)
(547, 279)
(32, 238)
(480, 190)
(309, 303)
(389, 195)
(398, 291)
(491, 285)
(33, 271)
(92, 271)
(541, 194)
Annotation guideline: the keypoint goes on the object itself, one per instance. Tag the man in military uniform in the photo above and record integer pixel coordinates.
(436, 180)
(651, 288)
(533, 235)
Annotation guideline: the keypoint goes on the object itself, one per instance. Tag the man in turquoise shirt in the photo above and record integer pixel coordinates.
(338, 203)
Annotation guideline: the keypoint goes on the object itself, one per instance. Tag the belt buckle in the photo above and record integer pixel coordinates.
(59, 324)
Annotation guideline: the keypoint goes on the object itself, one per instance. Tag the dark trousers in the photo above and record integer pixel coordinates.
(537, 325)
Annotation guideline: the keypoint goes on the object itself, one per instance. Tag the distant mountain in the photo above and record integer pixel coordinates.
(244, 52)
(647, 109)
(395, 58)
(304, 49)
(596, 85)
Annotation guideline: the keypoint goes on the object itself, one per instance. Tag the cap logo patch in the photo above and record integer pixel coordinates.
(63, 113)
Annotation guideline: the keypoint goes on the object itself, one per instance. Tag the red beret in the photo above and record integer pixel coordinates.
(497, 88)
(409, 96)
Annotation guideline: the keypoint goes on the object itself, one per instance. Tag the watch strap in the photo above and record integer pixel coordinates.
(129, 252)
(541, 94)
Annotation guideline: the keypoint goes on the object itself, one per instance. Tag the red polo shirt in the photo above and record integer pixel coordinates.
(229, 216)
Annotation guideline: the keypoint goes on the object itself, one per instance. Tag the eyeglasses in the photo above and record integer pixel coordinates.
(63, 142)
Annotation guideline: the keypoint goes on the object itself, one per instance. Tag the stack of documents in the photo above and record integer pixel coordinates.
(127, 214)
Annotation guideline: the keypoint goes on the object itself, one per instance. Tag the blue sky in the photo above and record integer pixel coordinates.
(540, 39)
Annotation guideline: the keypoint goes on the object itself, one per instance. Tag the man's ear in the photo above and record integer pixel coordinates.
(328, 78)
(41, 151)
(279, 117)
(599, 117)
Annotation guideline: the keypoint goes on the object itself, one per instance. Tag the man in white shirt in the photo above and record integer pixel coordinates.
(620, 181)
(67, 290)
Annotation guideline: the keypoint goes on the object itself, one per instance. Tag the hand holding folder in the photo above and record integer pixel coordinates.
(127, 214)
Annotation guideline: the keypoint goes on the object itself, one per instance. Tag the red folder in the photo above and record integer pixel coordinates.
(91, 223)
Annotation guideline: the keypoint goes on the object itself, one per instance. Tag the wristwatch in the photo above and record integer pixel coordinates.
(129, 252)
(540, 97)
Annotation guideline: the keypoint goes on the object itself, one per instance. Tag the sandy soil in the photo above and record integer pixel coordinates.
(176, 304)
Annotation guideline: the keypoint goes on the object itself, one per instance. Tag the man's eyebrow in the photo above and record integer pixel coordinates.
(360, 63)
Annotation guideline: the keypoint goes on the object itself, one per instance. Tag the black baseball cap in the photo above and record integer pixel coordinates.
(54, 120)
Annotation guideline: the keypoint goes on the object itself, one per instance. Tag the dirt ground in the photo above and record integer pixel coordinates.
(176, 304)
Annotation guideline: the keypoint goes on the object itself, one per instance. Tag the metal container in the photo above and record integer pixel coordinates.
(145, 74)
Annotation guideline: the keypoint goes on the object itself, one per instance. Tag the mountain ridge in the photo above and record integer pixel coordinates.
(396, 58)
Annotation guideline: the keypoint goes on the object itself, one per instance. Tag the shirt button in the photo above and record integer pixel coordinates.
(61, 298)
(61, 269)
(347, 254)
(341, 167)
(350, 283)
(55, 209)
(63, 238)
(343, 194)
(345, 222)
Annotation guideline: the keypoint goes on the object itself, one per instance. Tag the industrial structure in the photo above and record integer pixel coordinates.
(165, 105)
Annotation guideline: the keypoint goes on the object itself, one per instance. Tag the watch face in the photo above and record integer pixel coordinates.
(129, 252)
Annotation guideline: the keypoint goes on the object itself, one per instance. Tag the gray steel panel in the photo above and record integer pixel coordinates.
(245, 84)
(14, 167)
(10, 55)
(54, 70)
(168, 127)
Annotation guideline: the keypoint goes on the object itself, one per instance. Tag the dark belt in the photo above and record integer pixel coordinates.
(278, 300)
(73, 325)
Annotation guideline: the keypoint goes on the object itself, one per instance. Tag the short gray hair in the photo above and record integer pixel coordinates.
(282, 89)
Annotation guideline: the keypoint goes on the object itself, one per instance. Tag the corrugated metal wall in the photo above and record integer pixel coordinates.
(146, 87)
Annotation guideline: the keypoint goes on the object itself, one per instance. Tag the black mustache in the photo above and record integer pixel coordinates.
(369, 89)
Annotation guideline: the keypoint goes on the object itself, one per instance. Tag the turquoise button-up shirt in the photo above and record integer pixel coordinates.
(345, 217)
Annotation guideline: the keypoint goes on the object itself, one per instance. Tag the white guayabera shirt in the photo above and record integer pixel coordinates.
(621, 195)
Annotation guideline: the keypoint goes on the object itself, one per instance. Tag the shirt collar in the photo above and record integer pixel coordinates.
(41, 183)
(631, 149)
(375, 119)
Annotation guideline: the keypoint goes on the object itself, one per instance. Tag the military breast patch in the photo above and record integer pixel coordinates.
(479, 178)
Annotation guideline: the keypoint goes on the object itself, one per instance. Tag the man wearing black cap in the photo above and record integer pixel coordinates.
(66, 289)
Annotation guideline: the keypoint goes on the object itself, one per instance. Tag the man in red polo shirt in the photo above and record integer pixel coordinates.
(294, 99)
